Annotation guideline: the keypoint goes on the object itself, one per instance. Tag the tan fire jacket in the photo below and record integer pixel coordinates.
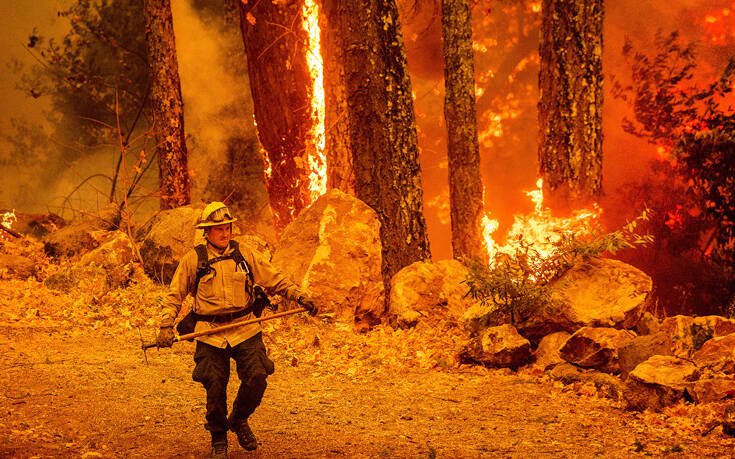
(222, 291)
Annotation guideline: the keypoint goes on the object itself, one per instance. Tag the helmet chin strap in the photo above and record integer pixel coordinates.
(215, 245)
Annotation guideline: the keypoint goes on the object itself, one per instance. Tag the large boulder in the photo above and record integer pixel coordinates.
(640, 349)
(77, 237)
(333, 250)
(596, 347)
(598, 292)
(688, 334)
(109, 266)
(429, 289)
(165, 239)
(547, 353)
(82, 235)
(497, 347)
(659, 382)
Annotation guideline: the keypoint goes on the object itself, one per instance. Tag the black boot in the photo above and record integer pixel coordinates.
(219, 446)
(245, 436)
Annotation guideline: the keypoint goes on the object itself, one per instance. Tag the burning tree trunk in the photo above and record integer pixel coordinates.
(570, 107)
(167, 107)
(276, 46)
(381, 127)
(465, 181)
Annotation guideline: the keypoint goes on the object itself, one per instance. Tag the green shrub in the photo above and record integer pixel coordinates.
(516, 283)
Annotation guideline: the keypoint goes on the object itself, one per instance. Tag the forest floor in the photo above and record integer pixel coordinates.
(74, 383)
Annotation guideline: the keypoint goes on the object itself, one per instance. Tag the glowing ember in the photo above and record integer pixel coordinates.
(8, 218)
(315, 157)
(720, 26)
(540, 229)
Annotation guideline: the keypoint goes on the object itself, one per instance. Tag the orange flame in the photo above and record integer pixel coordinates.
(315, 156)
(539, 229)
(8, 218)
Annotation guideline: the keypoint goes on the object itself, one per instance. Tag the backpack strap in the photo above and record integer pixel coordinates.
(203, 267)
(204, 263)
(240, 261)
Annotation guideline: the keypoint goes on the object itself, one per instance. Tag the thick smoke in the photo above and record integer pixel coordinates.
(218, 119)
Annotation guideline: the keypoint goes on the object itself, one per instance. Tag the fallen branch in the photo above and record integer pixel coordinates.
(9, 231)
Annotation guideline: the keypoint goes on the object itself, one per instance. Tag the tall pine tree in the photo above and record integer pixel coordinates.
(570, 107)
(381, 126)
(276, 46)
(167, 106)
(465, 180)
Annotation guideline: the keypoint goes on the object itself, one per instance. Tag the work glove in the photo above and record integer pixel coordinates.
(307, 303)
(165, 337)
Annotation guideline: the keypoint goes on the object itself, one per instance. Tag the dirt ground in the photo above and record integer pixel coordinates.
(77, 393)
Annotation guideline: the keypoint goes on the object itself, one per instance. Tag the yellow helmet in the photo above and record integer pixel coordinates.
(216, 213)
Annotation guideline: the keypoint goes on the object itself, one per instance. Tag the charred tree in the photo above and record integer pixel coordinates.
(570, 107)
(167, 106)
(381, 126)
(340, 173)
(276, 46)
(465, 180)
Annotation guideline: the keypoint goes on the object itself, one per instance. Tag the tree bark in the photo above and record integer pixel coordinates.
(167, 106)
(465, 180)
(570, 107)
(340, 171)
(382, 127)
(276, 46)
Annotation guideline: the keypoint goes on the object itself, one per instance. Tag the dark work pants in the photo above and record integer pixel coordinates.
(212, 369)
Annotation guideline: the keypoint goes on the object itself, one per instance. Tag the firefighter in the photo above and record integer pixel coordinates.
(221, 276)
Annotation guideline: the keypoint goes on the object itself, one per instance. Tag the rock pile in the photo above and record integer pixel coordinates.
(602, 335)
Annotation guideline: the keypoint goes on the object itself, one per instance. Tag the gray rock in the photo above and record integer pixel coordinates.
(109, 266)
(606, 385)
(333, 250)
(498, 347)
(599, 292)
(479, 316)
(728, 420)
(659, 382)
(567, 373)
(640, 349)
(648, 324)
(688, 334)
(71, 240)
(79, 236)
(430, 289)
(717, 355)
(547, 353)
(596, 347)
(713, 389)
(165, 239)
